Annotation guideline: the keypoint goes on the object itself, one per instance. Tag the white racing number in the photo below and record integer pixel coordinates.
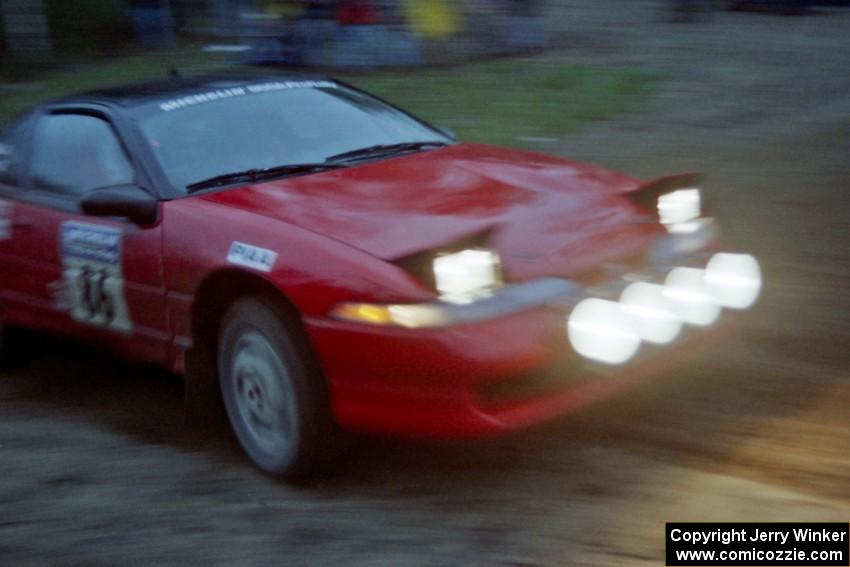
(91, 265)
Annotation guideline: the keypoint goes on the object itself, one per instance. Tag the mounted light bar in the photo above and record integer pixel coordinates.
(689, 297)
(611, 332)
(601, 330)
(651, 311)
(734, 280)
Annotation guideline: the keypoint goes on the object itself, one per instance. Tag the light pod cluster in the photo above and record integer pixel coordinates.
(612, 331)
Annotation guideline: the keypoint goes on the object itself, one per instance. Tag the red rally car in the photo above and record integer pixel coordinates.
(320, 259)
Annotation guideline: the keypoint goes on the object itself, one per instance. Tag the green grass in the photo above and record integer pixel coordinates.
(496, 102)
(502, 101)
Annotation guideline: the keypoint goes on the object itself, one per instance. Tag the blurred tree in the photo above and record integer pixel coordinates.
(152, 22)
(688, 10)
(227, 12)
(87, 26)
(25, 27)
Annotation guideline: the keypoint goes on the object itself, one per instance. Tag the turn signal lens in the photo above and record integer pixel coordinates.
(363, 313)
(413, 316)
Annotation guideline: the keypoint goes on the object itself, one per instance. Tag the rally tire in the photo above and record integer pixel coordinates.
(274, 395)
(5, 340)
(14, 346)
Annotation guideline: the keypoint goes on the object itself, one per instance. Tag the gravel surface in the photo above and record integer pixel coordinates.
(95, 468)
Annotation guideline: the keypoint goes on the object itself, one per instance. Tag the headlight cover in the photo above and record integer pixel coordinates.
(679, 207)
(462, 277)
(504, 301)
(470, 288)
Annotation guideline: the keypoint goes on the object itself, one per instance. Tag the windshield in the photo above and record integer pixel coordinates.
(207, 135)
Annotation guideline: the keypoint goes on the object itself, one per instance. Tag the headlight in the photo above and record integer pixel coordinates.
(679, 207)
(465, 276)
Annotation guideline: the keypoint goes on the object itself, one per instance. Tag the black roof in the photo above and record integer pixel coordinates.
(176, 86)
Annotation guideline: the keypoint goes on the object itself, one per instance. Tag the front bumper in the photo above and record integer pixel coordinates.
(432, 387)
(495, 373)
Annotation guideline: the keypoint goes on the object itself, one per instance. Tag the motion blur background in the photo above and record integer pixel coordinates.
(96, 468)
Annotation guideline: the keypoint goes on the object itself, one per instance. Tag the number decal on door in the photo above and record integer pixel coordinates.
(91, 264)
(94, 297)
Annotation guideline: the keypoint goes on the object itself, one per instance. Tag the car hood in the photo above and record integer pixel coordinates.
(546, 216)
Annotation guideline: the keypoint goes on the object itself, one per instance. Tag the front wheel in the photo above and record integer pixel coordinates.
(275, 397)
(14, 346)
(4, 344)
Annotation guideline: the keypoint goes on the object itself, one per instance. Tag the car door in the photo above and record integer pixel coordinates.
(92, 277)
(13, 145)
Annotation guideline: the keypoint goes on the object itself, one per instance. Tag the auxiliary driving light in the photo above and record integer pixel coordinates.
(652, 313)
(601, 330)
(734, 280)
(687, 293)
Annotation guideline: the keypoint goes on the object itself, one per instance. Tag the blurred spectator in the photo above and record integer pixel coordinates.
(433, 19)
(357, 12)
(319, 9)
(522, 7)
(315, 30)
(153, 23)
(687, 10)
(794, 7)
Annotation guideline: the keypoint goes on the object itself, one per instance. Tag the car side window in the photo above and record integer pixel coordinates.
(76, 153)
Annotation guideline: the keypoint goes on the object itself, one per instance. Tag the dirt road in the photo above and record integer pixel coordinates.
(95, 468)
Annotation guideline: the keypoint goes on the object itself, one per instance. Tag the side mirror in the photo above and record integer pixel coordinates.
(129, 201)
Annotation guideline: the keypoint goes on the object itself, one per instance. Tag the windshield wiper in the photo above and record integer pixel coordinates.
(385, 149)
(261, 173)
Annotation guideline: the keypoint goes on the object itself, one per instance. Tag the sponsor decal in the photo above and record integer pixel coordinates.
(220, 94)
(250, 256)
(91, 266)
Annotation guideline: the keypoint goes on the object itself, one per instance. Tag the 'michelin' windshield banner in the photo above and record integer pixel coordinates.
(761, 544)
